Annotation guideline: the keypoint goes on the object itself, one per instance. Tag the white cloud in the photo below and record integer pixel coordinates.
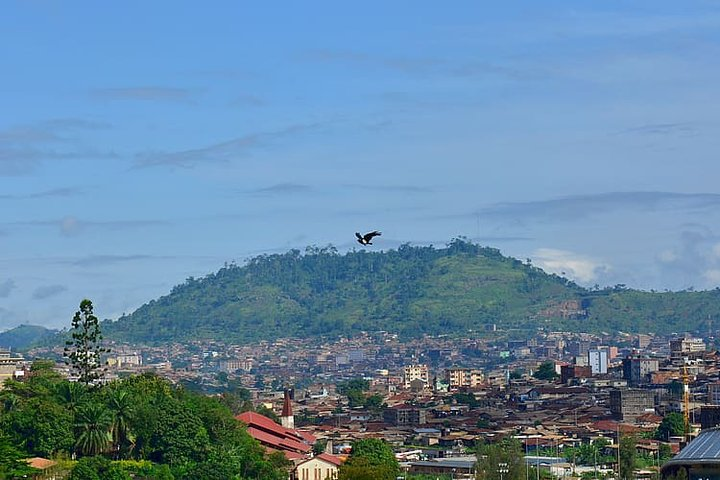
(667, 256)
(712, 276)
(568, 264)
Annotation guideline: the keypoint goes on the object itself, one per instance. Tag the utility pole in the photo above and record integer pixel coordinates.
(618, 449)
(595, 463)
(686, 402)
(537, 460)
(527, 467)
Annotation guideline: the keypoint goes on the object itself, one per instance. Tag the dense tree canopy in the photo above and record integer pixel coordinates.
(370, 458)
(546, 371)
(628, 457)
(505, 457)
(673, 424)
(411, 290)
(157, 430)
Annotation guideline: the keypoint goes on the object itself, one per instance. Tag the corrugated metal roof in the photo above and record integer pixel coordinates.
(703, 449)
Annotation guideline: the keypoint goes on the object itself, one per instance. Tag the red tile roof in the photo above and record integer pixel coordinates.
(277, 437)
(307, 436)
(279, 443)
(40, 463)
(330, 458)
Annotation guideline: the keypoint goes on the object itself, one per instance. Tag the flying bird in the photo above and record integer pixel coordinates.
(365, 239)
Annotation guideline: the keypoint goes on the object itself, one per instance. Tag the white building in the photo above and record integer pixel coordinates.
(598, 360)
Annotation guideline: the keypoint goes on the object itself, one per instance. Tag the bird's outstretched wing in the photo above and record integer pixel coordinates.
(360, 237)
(369, 236)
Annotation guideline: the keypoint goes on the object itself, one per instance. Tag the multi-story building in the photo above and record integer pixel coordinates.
(578, 348)
(630, 403)
(129, 359)
(232, 364)
(9, 364)
(642, 341)
(415, 372)
(636, 370)
(686, 347)
(405, 415)
(713, 393)
(570, 372)
(463, 377)
(598, 360)
(709, 416)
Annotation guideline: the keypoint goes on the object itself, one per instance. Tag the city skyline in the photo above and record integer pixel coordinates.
(146, 143)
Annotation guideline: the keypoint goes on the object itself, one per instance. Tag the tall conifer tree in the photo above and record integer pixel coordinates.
(83, 352)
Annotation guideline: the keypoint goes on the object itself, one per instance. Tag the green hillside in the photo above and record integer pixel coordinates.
(411, 291)
(25, 336)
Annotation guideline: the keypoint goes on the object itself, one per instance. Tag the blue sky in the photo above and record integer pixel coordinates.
(145, 142)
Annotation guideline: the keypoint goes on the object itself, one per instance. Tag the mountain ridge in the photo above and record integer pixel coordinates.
(412, 290)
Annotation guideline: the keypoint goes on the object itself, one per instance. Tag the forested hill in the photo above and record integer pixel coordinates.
(410, 291)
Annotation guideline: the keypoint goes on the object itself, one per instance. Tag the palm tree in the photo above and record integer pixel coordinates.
(71, 394)
(92, 425)
(122, 408)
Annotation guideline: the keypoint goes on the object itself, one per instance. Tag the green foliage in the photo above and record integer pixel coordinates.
(92, 426)
(319, 446)
(673, 424)
(84, 351)
(370, 458)
(676, 389)
(506, 455)
(359, 384)
(464, 399)
(363, 469)
(24, 337)
(355, 391)
(411, 290)
(145, 470)
(12, 463)
(374, 403)
(41, 426)
(98, 468)
(546, 371)
(145, 417)
(589, 453)
(267, 412)
(628, 457)
(175, 434)
(665, 452)
(235, 402)
(121, 404)
(84, 470)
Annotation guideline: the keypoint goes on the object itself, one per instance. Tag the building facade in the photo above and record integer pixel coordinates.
(637, 370)
(598, 361)
(320, 467)
(630, 403)
(415, 372)
(464, 377)
(405, 415)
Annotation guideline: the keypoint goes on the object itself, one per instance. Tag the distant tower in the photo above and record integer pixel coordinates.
(287, 419)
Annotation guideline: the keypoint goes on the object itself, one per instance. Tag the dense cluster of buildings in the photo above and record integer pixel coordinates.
(440, 396)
